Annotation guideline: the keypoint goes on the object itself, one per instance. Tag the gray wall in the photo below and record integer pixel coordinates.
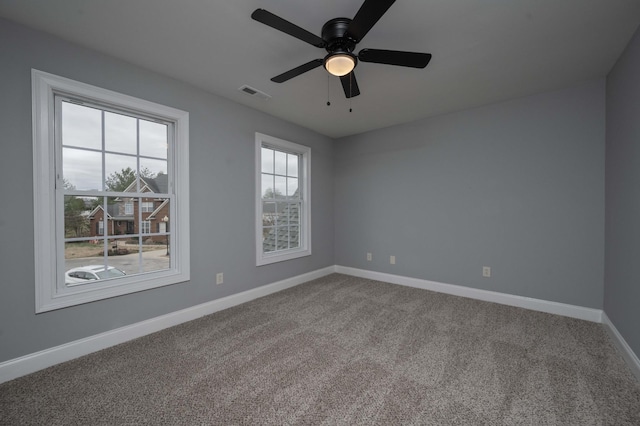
(517, 186)
(222, 194)
(622, 250)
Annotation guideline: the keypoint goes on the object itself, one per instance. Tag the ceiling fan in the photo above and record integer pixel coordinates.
(339, 37)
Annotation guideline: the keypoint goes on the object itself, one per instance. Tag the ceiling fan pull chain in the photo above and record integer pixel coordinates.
(328, 92)
(350, 91)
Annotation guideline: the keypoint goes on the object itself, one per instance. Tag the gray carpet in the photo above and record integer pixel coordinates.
(343, 350)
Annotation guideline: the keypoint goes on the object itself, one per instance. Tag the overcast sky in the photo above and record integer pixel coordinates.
(279, 171)
(82, 133)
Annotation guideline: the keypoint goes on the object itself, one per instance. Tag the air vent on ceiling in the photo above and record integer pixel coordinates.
(254, 92)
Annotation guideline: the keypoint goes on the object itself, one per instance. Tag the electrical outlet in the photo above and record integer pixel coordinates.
(369, 257)
(219, 278)
(392, 260)
(486, 271)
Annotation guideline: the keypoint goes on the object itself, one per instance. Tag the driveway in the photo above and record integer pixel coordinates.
(129, 263)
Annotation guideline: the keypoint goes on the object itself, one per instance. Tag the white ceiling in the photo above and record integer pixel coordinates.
(483, 50)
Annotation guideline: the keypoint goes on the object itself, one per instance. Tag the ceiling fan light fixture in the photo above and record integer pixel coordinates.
(339, 37)
(339, 64)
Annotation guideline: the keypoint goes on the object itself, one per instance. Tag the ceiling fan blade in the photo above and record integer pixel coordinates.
(370, 12)
(297, 71)
(350, 85)
(395, 57)
(287, 27)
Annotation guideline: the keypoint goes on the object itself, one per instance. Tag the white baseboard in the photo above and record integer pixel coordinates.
(588, 314)
(625, 350)
(31, 363)
(27, 364)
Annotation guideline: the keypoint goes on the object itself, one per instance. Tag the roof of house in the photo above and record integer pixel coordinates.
(159, 184)
(114, 211)
(284, 237)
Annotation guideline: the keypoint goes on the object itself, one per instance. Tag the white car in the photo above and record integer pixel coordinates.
(83, 274)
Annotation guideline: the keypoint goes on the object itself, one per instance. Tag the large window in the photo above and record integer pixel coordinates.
(283, 214)
(96, 154)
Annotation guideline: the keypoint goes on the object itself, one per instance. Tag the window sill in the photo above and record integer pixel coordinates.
(281, 256)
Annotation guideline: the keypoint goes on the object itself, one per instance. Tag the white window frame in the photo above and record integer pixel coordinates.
(145, 227)
(146, 207)
(128, 208)
(49, 270)
(304, 174)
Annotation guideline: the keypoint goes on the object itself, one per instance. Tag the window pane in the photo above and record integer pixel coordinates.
(128, 216)
(292, 165)
(269, 240)
(122, 257)
(112, 209)
(292, 187)
(152, 168)
(267, 160)
(96, 219)
(267, 186)
(281, 214)
(82, 169)
(120, 247)
(290, 214)
(280, 186)
(162, 215)
(76, 220)
(117, 221)
(81, 259)
(156, 257)
(280, 164)
(120, 172)
(120, 133)
(282, 238)
(155, 249)
(296, 213)
(294, 237)
(153, 139)
(268, 214)
(156, 254)
(81, 126)
(82, 270)
(154, 173)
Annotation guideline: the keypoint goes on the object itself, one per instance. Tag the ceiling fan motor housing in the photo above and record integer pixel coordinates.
(333, 34)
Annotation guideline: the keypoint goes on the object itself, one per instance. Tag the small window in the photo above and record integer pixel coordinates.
(145, 227)
(283, 219)
(147, 206)
(128, 209)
